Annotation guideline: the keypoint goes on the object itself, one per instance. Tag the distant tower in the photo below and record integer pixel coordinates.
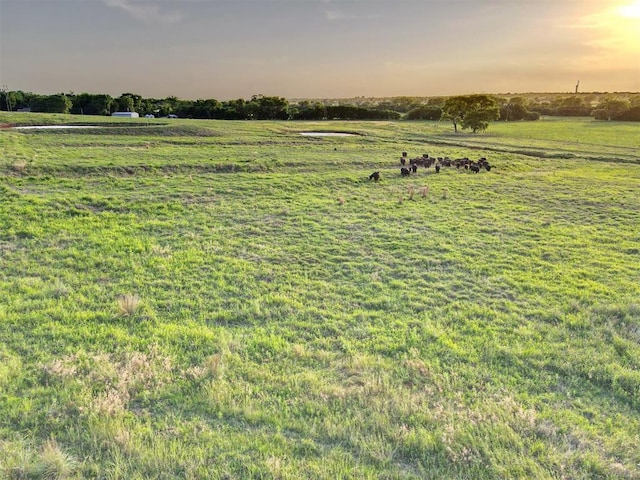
(577, 84)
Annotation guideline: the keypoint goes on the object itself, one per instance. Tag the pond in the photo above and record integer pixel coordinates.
(327, 134)
(53, 127)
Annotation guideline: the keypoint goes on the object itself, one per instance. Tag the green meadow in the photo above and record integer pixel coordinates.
(185, 299)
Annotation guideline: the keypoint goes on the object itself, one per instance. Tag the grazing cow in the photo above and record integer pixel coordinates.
(403, 160)
(405, 172)
(437, 168)
(414, 167)
(484, 163)
(375, 176)
(474, 167)
(462, 162)
(404, 154)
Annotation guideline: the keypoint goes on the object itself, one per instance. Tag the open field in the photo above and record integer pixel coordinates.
(200, 299)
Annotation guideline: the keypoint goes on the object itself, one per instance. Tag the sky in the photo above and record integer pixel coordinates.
(231, 49)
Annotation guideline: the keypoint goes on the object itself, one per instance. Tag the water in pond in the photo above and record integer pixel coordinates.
(327, 134)
(53, 127)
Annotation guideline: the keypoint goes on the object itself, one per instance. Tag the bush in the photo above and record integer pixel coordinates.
(425, 112)
(632, 114)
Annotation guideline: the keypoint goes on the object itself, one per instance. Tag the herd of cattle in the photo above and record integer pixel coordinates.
(410, 165)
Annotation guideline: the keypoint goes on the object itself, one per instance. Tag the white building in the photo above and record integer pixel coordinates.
(126, 114)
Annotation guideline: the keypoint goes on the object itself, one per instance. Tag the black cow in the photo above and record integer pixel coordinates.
(484, 163)
(405, 172)
(375, 176)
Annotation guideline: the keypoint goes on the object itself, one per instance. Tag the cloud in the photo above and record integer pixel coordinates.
(147, 11)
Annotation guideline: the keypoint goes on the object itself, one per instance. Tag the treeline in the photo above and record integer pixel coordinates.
(601, 107)
(261, 107)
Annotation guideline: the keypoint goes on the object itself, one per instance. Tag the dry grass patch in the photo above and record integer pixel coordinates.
(53, 463)
(111, 382)
(16, 460)
(212, 367)
(299, 351)
(128, 304)
(19, 166)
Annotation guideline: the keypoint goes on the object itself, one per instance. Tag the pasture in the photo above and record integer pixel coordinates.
(219, 299)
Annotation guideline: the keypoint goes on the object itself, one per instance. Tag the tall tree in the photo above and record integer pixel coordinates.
(471, 111)
(306, 110)
(209, 108)
(610, 108)
(58, 103)
(516, 108)
(235, 109)
(268, 108)
(129, 102)
(573, 106)
(14, 100)
(90, 104)
(454, 109)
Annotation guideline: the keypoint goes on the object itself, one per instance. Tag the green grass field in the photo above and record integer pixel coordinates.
(217, 300)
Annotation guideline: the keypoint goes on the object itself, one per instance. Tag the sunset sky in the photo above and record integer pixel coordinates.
(227, 49)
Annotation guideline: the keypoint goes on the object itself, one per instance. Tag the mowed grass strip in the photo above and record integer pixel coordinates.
(246, 303)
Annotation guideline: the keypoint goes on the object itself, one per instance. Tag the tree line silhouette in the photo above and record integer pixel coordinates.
(602, 106)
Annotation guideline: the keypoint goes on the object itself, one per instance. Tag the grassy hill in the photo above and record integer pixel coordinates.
(200, 299)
